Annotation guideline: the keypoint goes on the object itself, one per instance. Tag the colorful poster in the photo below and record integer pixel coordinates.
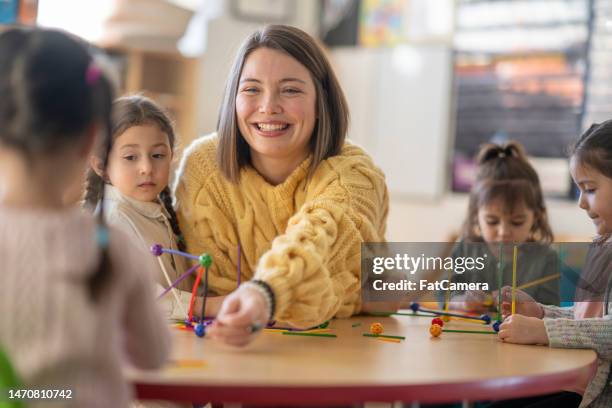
(382, 22)
(8, 11)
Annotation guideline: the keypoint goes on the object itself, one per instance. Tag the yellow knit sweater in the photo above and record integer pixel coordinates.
(301, 237)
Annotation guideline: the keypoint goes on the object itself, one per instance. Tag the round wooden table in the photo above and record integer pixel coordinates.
(295, 370)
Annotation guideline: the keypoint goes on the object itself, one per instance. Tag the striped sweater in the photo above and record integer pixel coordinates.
(564, 330)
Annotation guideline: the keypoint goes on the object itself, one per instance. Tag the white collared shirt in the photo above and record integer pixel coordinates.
(147, 223)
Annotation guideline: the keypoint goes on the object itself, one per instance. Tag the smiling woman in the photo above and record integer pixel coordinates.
(275, 107)
(280, 180)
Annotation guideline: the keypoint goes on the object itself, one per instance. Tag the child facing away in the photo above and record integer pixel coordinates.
(134, 184)
(74, 299)
(587, 324)
(506, 208)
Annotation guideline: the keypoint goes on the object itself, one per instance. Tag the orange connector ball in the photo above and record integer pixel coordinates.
(435, 330)
(376, 328)
(445, 318)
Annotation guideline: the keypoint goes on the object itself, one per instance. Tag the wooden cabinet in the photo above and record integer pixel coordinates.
(165, 76)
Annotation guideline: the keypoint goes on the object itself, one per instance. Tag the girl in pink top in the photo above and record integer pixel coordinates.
(74, 302)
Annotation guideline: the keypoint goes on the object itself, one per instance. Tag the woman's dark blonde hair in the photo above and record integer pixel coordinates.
(504, 174)
(130, 111)
(332, 115)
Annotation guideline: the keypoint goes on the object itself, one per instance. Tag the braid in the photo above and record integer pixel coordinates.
(166, 198)
(94, 190)
(95, 187)
(100, 277)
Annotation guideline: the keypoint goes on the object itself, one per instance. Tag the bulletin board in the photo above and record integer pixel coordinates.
(519, 74)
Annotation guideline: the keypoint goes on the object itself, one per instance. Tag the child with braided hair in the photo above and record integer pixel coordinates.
(137, 198)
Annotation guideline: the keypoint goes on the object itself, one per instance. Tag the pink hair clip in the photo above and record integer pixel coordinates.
(92, 74)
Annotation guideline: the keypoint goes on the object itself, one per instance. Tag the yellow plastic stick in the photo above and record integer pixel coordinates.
(539, 281)
(514, 281)
(389, 340)
(462, 319)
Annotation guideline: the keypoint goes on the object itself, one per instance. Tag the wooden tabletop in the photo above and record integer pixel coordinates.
(283, 369)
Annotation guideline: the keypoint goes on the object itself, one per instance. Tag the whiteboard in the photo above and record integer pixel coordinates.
(400, 102)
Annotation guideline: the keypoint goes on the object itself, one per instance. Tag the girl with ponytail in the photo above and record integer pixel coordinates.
(132, 173)
(506, 209)
(67, 278)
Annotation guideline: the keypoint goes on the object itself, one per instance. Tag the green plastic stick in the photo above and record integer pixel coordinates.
(288, 333)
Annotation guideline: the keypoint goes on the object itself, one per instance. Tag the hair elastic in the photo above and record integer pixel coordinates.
(102, 236)
(92, 74)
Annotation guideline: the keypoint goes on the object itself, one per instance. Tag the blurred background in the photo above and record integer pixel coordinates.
(427, 81)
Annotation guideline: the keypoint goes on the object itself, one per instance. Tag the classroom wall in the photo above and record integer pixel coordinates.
(400, 104)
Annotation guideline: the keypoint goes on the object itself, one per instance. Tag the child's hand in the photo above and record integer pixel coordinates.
(241, 312)
(525, 304)
(521, 329)
(474, 301)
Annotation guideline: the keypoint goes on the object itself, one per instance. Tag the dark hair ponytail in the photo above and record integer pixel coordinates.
(490, 152)
(166, 199)
(504, 172)
(52, 92)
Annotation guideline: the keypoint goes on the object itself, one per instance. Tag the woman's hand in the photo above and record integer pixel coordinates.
(243, 313)
(521, 329)
(525, 304)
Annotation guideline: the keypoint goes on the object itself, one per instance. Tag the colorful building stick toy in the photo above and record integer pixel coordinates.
(435, 329)
(513, 282)
(376, 328)
(204, 263)
(415, 307)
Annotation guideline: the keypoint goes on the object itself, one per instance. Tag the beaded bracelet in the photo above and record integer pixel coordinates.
(266, 291)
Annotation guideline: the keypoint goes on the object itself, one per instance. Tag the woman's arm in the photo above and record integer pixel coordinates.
(314, 268)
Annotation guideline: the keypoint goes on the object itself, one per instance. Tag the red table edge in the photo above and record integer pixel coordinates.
(487, 390)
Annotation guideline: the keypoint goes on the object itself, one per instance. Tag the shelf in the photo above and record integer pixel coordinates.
(166, 77)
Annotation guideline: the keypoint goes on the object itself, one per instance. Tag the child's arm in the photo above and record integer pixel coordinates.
(556, 312)
(527, 306)
(592, 333)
